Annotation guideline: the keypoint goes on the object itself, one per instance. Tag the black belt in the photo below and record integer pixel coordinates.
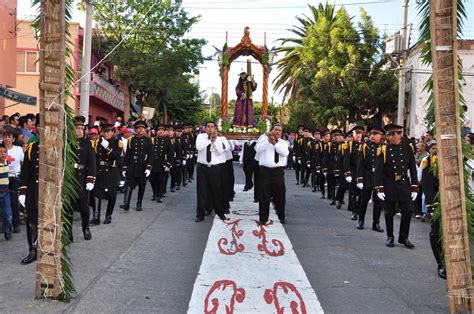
(106, 163)
(208, 166)
(399, 178)
(79, 166)
(274, 168)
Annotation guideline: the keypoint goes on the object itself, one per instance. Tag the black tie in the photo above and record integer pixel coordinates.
(277, 157)
(208, 153)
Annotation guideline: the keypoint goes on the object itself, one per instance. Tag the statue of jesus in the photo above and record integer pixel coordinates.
(243, 113)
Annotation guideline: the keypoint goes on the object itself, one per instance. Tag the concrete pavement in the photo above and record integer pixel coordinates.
(148, 261)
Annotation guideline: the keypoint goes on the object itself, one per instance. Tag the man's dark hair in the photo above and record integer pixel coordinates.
(6, 118)
(13, 117)
(210, 121)
(30, 116)
(2, 146)
(23, 121)
(9, 132)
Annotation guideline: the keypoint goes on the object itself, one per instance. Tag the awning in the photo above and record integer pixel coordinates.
(16, 96)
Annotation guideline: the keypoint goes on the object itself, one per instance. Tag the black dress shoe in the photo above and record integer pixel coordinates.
(376, 227)
(246, 189)
(323, 197)
(184, 184)
(339, 205)
(125, 207)
(297, 183)
(354, 217)
(158, 200)
(107, 220)
(30, 258)
(178, 188)
(189, 180)
(8, 235)
(390, 242)
(227, 211)
(16, 229)
(172, 190)
(442, 272)
(153, 198)
(255, 200)
(360, 225)
(332, 203)
(263, 223)
(313, 189)
(283, 221)
(199, 219)
(406, 243)
(87, 234)
(222, 217)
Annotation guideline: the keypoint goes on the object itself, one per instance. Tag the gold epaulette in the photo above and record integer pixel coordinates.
(29, 148)
(344, 146)
(120, 144)
(424, 163)
(362, 148)
(382, 150)
(350, 147)
(94, 144)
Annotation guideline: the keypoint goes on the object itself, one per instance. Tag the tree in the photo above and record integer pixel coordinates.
(155, 63)
(338, 75)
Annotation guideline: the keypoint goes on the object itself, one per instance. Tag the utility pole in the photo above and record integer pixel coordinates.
(86, 62)
(444, 52)
(401, 82)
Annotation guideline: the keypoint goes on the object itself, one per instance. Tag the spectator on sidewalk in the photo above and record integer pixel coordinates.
(15, 158)
(5, 206)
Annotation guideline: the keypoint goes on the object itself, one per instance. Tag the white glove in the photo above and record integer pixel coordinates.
(318, 171)
(124, 173)
(89, 186)
(308, 165)
(147, 173)
(104, 143)
(325, 173)
(167, 169)
(299, 161)
(349, 179)
(294, 158)
(414, 195)
(381, 195)
(360, 186)
(22, 199)
(184, 162)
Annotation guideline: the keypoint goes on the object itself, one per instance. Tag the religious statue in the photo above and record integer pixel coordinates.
(243, 113)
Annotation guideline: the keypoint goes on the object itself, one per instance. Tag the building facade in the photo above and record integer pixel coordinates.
(416, 96)
(7, 46)
(106, 101)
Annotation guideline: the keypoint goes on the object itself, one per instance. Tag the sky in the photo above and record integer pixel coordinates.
(272, 17)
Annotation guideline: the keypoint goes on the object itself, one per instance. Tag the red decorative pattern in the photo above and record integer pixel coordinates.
(297, 305)
(235, 247)
(263, 247)
(217, 292)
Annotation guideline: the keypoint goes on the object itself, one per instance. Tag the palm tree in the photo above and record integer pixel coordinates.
(288, 79)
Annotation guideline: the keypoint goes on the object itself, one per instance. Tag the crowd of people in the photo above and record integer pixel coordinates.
(374, 165)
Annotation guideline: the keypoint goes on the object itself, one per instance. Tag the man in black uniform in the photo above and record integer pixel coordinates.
(28, 197)
(342, 187)
(248, 162)
(137, 164)
(296, 151)
(179, 160)
(169, 133)
(316, 159)
(85, 172)
(191, 151)
(324, 153)
(350, 156)
(162, 152)
(393, 185)
(330, 160)
(108, 150)
(365, 178)
(304, 156)
(430, 186)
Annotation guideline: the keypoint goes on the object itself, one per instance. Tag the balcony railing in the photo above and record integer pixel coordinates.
(105, 91)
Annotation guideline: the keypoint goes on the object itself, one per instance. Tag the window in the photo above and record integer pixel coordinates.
(26, 62)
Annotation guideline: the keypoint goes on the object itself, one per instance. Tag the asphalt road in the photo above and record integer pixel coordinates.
(148, 261)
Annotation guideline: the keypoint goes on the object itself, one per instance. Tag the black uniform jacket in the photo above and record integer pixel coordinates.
(366, 164)
(85, 165)
(139, 156)
(29, 176)
(108, 171)
(162, 152)
(350, 156)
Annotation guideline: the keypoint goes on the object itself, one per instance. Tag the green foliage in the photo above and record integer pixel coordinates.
(333, 72)
(226, 125)
(261, 125)
(157, 61)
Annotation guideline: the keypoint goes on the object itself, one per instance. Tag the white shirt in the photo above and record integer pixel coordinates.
(267, 152)
(15, 158)
(217, 150)
(229, 148)
(124, 145)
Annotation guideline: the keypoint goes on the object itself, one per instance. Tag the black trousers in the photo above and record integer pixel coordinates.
(231, 179)
(436, 245)
(331, 185)
(190, 167)
(167, 176)
(32, 227)
(364, 201)
(406, 207)
(158, 181)
(297, 167)
(272, 187)
(225, 179)
(256, 180)
(249, 169)
(341, 190)
(81, 204)
(305, 172)
(13, 187)
(209, 189)
(176, 175)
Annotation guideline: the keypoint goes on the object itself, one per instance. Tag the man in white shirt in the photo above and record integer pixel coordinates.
(15, 157)
(209, 179)
(273, 153)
